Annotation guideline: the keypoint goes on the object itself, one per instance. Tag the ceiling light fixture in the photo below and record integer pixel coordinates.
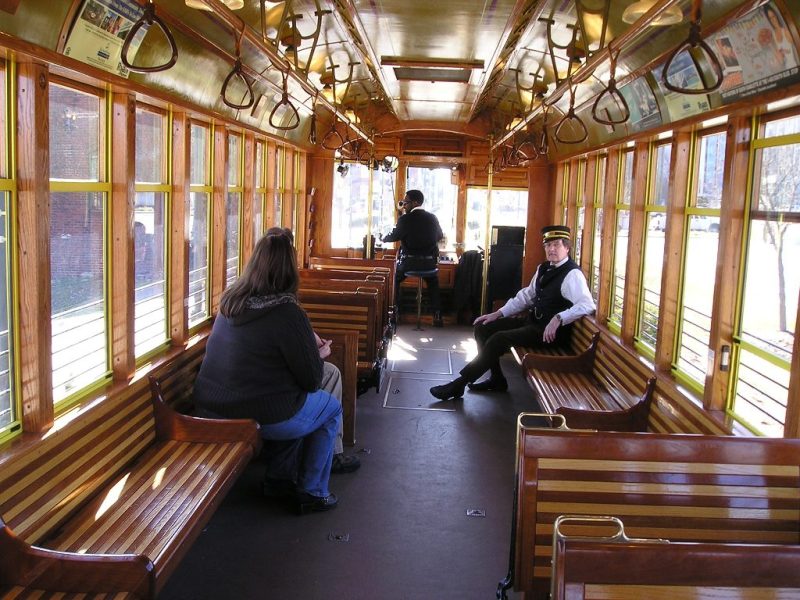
(232, 4)
(669, 16)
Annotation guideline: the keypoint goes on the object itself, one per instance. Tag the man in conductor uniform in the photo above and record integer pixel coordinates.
(418, 232)
(556, 297)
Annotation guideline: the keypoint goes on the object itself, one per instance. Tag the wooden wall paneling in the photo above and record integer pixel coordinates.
(541, 201)
(588, 215)
(636, 227)
(179, 239)
(729, 255)
(606, 287)
(219, 198)
(247, 237)
(461, 210)
(321, 179)
(271, 156)
(123, 176)
(792, 422)
(679, 170)
(33, 226)
(288, 207)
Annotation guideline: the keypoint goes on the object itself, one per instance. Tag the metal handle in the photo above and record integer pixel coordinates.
(237, 72)
(285, 102)
(694, 40)
(148, 18)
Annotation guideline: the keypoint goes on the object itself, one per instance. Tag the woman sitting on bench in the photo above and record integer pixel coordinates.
(262, 362)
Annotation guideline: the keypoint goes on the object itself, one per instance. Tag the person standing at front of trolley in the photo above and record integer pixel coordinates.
(418, 232)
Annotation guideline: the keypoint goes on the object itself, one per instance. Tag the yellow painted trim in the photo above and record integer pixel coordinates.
(60, 185)
(152, 187)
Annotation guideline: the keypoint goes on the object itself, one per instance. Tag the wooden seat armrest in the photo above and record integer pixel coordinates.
(580, 363)
(631, 419)
(38, 568)
(172, 425)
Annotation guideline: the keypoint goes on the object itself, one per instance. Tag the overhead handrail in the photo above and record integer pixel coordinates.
(284, 101)
(694, 40)
(570, 116)
(238, 72)
(148, 18)
(611, 90)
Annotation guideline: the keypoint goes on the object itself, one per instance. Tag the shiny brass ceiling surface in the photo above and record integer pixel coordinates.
(434, 29)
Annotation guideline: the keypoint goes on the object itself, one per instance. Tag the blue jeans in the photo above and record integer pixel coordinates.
(317, 422)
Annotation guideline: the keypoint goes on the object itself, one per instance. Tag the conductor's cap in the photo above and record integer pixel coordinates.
(555, 232)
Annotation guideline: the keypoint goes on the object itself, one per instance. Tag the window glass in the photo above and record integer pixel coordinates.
(4, 145)
(441, 198)
(509, 207)
(780, 127)
(277, 193)
(384, 203)
(349, 212)
(150, 136)
(234, 160)
(150, 308)
(78, 293)
(654, 245)
(779, 179)
(599, 196)
(260, 192)
(232, 237)
(622, 229)
(772, 284)
(74, 135)
(580, 194)
(199, 155)
(7, 401)
(699, 274)
(198, 257)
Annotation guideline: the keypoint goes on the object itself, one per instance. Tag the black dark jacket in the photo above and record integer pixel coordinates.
(259, 365)
(418, 232)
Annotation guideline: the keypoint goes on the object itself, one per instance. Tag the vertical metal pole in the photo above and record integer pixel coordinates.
(487, 239)
(368, 238)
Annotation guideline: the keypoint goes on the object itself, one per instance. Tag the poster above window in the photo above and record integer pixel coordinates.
(99, 31)
(757, 54)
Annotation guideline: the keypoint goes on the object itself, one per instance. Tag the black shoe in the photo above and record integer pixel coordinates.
(344, 464)
(307, 503)
(453, 390)
(278, 488)
(489, 385)
(437, 319)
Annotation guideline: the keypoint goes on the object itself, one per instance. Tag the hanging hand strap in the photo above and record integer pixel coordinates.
(238, 73)
(694, 40)
(295, 120)
(614, 93)
(148, 18)
(571, 117)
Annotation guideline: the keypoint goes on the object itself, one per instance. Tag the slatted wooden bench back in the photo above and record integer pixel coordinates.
(44, 485)
(177, 377)
(346, 310)
(676, 487)
(358, 264)
(629, 569)
(311, 277)
(339, 285)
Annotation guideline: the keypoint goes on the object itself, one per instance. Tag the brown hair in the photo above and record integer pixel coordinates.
(272, 269)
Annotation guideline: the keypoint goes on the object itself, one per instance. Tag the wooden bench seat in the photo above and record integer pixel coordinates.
(112, 501)
(685, 488)
(588, 399)
(375, 265)
(587, 568)
(671, 410)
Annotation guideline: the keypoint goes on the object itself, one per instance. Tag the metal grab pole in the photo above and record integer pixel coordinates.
(488, 236)
(368, 237)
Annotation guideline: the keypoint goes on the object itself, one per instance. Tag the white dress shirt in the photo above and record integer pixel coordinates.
(573, 288)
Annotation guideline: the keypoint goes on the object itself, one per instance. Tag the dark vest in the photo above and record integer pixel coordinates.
(549, 300)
